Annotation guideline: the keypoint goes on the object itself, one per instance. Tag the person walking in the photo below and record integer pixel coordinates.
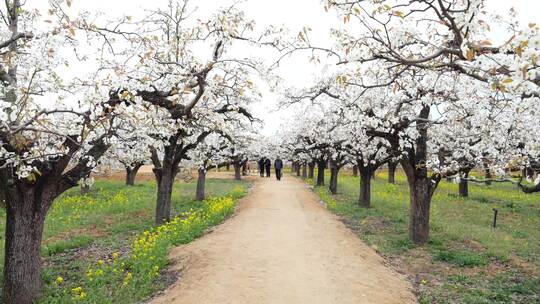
(267, 165)
(278, 166)
(261, 166)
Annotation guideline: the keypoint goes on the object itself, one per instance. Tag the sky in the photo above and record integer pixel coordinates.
(297, 71)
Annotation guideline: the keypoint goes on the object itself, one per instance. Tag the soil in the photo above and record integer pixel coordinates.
(283, 246)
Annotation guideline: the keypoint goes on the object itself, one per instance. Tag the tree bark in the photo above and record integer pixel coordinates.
(85, 189)
(237, 171)
(463, 183)
(163, 201)
(321, 164)
(527, 173)
(165, 176)
(421, 186)
(25, 217)
(487, 175)
(298, 167)
(131, 174)
(334, 171)
(228, 167)
(364, 198)
(419, 211)
(2, 198)
(244, 169)
(355, 170)
(304, 172)
(392, 172)
(311, 168)
(201, 183)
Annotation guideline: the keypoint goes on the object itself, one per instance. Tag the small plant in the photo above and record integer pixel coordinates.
(461, 258)
(132, 278)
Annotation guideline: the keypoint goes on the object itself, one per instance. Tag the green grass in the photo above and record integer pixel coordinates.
(461, 258)
(82, 229)
(502, 264)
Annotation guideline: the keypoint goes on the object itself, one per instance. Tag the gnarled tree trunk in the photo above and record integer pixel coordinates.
(201, 183)
(26, 209)
(167, 174)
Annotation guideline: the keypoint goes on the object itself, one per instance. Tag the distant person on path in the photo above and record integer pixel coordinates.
(278, 166)
(267, 165)
(261, 166)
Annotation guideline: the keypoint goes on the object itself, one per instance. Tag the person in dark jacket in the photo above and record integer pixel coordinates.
(267, 165)
(261, 166)
(278, 166)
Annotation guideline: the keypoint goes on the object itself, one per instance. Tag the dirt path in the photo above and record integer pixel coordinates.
(282, 246)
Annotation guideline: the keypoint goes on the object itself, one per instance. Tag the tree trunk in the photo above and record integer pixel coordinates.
(298, 169)
(320, 172)
(85, 189)
(392, 172)
(244, 169)
(228, 167)
(165, 187)
(487, 176)
(421, 187)
(131, 173)
(237, 171)
(463, 184)
(364, 198)
(311, 167)
(334, 171)
(304, 172)
(419, 212)
(25, 217)
(201, 183)
(2, 199)
(355, 171)
(528, 173)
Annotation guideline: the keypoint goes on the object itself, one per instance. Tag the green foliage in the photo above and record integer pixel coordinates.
(129, 279)
(461, 258)
(461, 236)
(63, 245)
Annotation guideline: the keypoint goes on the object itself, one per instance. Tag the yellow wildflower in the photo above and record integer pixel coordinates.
(77, 290)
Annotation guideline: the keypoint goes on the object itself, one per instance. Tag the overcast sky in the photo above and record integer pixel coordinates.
(294, 14)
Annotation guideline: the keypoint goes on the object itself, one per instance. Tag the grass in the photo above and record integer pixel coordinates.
(466, 260)
(81, 230)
